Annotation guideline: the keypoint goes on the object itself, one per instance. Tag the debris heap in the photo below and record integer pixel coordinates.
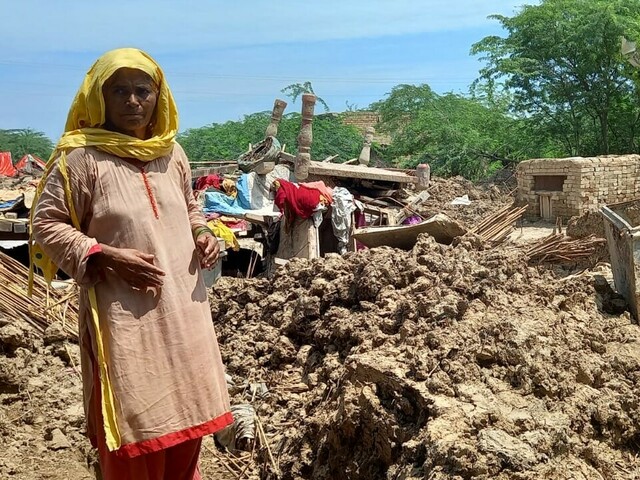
(442, 362)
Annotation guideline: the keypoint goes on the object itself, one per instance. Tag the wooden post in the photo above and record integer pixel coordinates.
(305, 137)
(276, 116)
(423, 172)
(365, 154)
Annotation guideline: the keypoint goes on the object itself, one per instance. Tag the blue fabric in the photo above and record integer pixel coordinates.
(244, 195)
(7, 205)
(216, 202)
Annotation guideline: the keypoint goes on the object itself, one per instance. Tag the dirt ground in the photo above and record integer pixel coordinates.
(41, 413)
(438, 363)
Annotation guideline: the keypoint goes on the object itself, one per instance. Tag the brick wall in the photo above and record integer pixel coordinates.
(590, 183)
(362, 120)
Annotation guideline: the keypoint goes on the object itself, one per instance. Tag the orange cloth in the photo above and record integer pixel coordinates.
(179, 462)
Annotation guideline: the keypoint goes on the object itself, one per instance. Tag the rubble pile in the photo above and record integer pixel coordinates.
(484, 199)
(440, 363)
(42, 420)
(41, 412)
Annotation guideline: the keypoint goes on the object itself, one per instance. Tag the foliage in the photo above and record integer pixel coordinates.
(295, 90)
(456, 135)
(23, 141)
(561, 63)
(230, 139)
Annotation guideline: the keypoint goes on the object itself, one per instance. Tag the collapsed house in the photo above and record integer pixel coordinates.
(18, 184)
(572, 186)
(277, 206)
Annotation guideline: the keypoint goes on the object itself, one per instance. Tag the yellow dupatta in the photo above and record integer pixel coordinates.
(83, 129)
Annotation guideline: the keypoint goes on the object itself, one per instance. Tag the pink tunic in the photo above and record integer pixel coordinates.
(165, 366)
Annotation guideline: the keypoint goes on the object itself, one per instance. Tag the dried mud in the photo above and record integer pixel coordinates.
(439, 363)
(41, 413)
(42, 421)
(485, 199)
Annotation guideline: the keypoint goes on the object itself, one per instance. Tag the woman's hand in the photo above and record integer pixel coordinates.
(134, 267)
(208, 249)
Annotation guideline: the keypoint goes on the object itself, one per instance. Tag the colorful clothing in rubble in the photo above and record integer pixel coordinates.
(220, 230)
(207, 181)
(297, 200)
(152, 372)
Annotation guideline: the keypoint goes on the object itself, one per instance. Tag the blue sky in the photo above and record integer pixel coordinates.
(226, 59)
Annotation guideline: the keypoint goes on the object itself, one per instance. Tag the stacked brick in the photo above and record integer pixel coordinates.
(589, 184)
(361, 120)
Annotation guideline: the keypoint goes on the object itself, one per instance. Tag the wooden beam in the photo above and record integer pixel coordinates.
(359, 172)
(215, 169)
(342, 170)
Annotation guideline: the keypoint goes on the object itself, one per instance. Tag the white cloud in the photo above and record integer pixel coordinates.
(162, 26)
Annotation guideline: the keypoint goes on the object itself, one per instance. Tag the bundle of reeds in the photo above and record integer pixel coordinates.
(558, 248)
(46, 306)
(496, 227)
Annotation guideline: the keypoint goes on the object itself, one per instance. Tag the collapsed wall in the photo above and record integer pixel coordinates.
(442, 362)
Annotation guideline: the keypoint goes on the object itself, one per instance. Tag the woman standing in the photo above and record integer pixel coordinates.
(116, 212)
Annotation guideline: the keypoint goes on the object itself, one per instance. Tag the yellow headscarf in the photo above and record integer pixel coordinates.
(84, 129)
(87, 113)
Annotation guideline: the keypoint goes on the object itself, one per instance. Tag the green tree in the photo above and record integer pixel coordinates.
(456, 135)
(230, 139)
(296, 90)
(562, 66)
(23, 141)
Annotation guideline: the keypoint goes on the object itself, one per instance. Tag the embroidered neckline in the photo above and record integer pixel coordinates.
(152, 198)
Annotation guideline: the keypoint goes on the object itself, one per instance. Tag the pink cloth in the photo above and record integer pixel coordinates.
(322, 188)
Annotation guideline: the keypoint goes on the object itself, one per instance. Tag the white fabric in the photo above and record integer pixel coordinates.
(343, 207)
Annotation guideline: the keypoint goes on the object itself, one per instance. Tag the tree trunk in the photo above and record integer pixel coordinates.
(604, 131)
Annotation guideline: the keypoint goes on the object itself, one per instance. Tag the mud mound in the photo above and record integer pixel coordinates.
(41, 413)
(589, 223)
(440, 363)
(485, 199)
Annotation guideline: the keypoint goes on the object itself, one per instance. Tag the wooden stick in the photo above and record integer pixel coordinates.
(264, 440)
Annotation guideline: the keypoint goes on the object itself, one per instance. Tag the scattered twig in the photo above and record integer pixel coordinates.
(73, 364)
(43, 308)
(559, 248)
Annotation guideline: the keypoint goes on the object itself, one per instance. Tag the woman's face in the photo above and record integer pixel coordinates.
(130, 98)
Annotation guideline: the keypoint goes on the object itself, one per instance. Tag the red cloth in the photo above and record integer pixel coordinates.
(93, 250)
(6, 165)
(22, 164)
(296, 200)
(208, 181)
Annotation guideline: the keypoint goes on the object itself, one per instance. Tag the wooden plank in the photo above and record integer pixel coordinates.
(359, 172)
(342, 170)
(440, 227)
(14, 236)
(214, 169)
